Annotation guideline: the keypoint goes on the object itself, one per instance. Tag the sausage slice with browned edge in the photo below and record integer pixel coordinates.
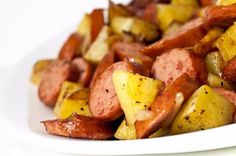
(131, 50)
(106, 62)
(70, 47)
(166, 106)
(221, 16)
(54, 76)
(172, 64)
(78, 126)
(85, 70)
(103, 102)
(186, 36)
(229, 71)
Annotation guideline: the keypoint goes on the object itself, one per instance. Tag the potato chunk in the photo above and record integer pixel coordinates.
(214, 63)
(77, 102)
(140, 29)
(168, 13)
(66, 89)
(227, 43)
(135, 93)
(205, 109)
(99, 48)
(38, 70)
(217, 82)
(225, 2)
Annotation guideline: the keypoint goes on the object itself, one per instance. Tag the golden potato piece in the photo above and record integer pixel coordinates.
(38, 70)
(225, 2)
(168, 13)
(214, 63)
(66, 89)
(217, 82)
(135, 92)
(125, 131)
(205, 109)
(227, 43)
(99, 48)
(77, 102)
(141, 29)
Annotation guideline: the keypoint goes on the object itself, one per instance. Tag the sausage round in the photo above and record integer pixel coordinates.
(103, 102)
(85, 70)
(131, 50)
(106, 62)
(70, 47)
(54, 76)
(229, 71)
(78, 126)
(172, 64)
(186, 36)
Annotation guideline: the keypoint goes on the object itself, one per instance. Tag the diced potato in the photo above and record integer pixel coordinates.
(84, 29)
(193, 3)
(214, 63)
(117, 10)
(225, 2)
(77, 102)
(143, 30)
(205, 109)
(99, 48)
(206, 43)
(38, 70)
(161, 132)
(171, 28)
(128, 132)
(135, 92)
(217, 82)
(125, 131)
(167, 14)
(227, 43)
(66, 89)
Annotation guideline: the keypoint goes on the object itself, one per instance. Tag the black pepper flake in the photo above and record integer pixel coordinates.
(202, 111)
(202, 129)
(149, 108)
(186, 118)
(180, 126)
(145, 106)
(107, 90)
(82, 109)
(222, 83)
(192, 104)
(138, 102)
(206, 92)
(140, 79)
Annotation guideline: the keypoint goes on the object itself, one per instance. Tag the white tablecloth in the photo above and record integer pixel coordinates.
(24, 25)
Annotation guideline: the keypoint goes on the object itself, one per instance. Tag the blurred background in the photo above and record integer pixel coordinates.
(26, 24)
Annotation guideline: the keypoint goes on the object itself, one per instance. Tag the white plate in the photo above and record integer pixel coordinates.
(22, 112)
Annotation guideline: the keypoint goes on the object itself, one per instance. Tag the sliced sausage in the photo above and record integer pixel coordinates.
(53, 77)
(165, 106)
(106, 62)
(205, 3)
(172, 64)
(78, 126)
(229, 71)
(228, 94)
(222, 16)
(70, 47)
(131, 50)
(103, 102)
(186, 36)
(97, 22)
(85, 70)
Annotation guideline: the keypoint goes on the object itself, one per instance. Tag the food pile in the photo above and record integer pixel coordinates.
(151, 68)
